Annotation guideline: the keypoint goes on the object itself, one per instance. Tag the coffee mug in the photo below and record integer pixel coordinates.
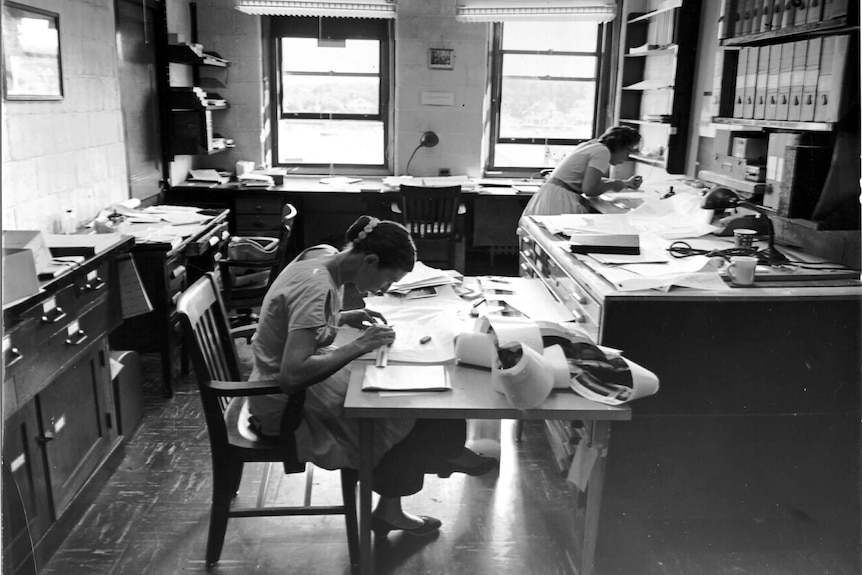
(744, 237)
(741, 270)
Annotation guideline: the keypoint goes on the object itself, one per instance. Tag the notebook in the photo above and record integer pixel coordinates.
(406, 378)
(605, 244)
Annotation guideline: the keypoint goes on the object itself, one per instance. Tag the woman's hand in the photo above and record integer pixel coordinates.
(361, 318)
(633, 183)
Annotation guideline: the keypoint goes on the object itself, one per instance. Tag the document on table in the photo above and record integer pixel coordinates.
(406, 378)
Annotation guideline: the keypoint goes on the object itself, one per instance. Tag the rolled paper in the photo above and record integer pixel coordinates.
(558, 365)
(517, 329)
(528, 383)
(475, 349)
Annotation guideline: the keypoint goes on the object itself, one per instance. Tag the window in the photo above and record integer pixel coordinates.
(331, 93)
(545, 91)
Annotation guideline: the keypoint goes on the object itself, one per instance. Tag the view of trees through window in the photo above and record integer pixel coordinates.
(546, 75)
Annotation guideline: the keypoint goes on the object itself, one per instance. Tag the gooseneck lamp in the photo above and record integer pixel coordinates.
(427, 140)
(721, 198)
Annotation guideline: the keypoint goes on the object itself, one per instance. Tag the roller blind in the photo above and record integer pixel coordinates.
(328, 8)
(535, 10)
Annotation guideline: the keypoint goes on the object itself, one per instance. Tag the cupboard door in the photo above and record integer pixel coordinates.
(76, 425)
(26, 503)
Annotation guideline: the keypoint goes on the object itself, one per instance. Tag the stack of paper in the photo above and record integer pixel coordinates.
(255, 179)
(422, 276)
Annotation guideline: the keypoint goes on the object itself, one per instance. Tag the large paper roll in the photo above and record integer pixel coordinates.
(528, 383)
(517, 330)
(555, 359)
(475, 349)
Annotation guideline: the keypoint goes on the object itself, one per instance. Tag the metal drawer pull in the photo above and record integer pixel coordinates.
(95, 284)
(528, 254)
(15, 356)
(225, 234)
(178, 271)
(45, 437)
(77, 338)
(578, 296)
(579, 317)
(214, 240)
(54, 315)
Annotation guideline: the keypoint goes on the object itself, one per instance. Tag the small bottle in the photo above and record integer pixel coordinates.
(69, 224)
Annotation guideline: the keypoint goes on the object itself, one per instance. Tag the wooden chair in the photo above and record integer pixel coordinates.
(243, 293)
(430, 215)
(207, 335)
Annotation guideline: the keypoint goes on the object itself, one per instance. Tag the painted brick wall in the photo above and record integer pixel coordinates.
(68, 154)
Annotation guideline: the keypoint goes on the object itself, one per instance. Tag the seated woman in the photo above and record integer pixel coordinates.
(298, 322)
(582, 173)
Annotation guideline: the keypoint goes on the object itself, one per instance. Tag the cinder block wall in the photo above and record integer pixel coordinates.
(69, 153)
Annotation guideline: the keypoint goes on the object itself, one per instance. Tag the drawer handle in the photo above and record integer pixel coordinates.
(217, 256)
(578, 296)
(56, 315)
(95, 285)
(78, 338)
(526, 269)
(579, 317)
(214, 240)
(15, 356)
(45, 437)
(258, 208)
(178, 271)
(528, 254)
(225, 234)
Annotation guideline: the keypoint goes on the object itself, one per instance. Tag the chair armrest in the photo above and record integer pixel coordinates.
(262, 264)
(244, 388)
(244, 331)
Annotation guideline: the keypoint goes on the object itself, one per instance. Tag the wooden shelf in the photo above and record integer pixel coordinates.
(647, 122)
(833, 26)
(183, 54)
(777, 124)
(671, 5)
(666, 51)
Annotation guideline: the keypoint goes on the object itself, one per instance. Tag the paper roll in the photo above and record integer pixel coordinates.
(528, 383)
(517, 330)
(555, 359)
(475, 349)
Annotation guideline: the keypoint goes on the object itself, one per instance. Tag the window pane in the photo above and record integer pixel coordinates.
(547, 109)
(529, 155)
(356, 56)
(330, 142)
(558, 66)
(561, 36)
(330, 95)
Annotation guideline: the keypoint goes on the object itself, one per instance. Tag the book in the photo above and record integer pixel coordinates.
(605, 244)
(406, 378)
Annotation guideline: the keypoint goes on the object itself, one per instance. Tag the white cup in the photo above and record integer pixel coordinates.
(244, 167)
(741, 270)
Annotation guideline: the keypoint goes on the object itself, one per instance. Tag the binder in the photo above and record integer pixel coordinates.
(750, 82)
(778, 142)
(784, 71)
(777, 13)
(737, 15)
(809, 79)
(772, 82)
(802, 179)
(815, 11)
(747, 6)
(835, 9)
(756, 10)
(800, 15)
(739, 91)
(797, 75)
(766, 16)
(787, 14)
(833, 63)
(760, 83)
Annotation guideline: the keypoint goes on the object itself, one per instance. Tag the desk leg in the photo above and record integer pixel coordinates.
(601, 436)
(366, 468)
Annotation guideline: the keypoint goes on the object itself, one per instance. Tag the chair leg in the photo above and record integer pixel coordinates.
(519, 430)
(349, 479)
(226, 478)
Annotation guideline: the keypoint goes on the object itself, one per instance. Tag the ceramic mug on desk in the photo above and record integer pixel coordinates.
(741, 270)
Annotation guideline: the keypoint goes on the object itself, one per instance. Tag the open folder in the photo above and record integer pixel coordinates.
(406, 378)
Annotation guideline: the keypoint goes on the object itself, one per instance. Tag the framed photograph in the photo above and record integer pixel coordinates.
(440, 58)
(31, 53)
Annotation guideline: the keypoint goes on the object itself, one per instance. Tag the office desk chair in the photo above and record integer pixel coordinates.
(430, 215)
(245, 282)
(207, 335)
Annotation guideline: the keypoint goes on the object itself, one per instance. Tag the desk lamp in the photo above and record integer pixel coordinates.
(427, 140)
(720, 198)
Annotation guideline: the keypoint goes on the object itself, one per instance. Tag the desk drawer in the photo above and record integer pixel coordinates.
(262, 206)
(251, 224)
(65, 345)
(214, 240)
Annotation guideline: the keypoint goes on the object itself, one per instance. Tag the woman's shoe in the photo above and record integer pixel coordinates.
(430, 525)
(484, 466)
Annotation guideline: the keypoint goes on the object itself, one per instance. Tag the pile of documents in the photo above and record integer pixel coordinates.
(421, 278)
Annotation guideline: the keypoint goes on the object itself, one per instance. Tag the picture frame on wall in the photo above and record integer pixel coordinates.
(441, 58)
(31, 53)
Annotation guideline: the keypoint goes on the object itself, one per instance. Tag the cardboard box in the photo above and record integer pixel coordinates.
(19, 274)
(755, 173)
(749, 148)
(723, 142)
(29, 240)
(730, 166)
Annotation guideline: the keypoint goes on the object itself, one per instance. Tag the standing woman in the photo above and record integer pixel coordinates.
(293, 344)
(582, 173)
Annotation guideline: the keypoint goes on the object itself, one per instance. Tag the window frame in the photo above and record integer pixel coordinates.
(496, 89)
(332, 29)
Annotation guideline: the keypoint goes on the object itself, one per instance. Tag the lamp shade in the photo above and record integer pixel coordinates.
(535, 10)
(327, 8)
(428, 140)
(720, 198)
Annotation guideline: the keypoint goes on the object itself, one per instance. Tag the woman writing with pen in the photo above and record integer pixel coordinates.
(298, 322)
(583, 174)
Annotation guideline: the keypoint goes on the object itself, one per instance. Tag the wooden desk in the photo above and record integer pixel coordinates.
(472, 397)
(166, 270)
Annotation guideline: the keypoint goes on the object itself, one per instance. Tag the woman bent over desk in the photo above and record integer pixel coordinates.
(298, 322)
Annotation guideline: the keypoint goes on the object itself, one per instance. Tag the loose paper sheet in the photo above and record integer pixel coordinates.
(406, 378)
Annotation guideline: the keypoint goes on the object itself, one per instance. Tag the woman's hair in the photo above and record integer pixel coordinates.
(388, 240)
(620, 137)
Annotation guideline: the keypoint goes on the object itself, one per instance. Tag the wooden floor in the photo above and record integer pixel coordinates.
(690, 496)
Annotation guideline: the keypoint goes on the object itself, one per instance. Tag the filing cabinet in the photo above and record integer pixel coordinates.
(58, 412)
